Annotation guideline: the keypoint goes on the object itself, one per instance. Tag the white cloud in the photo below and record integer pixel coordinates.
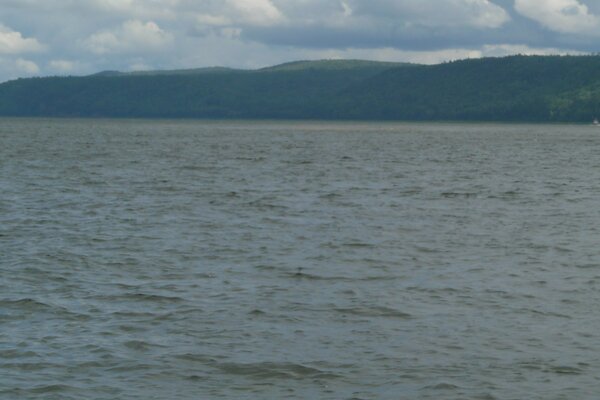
(565, 16)
(435, 13)
(231, 16)
(235, 53)
(392, 54)
(145, 9)
(432, 57)
(62, 66)
(12, 42)
(501, 50)
(213, 20)
(164, 34)
(230, 33)
(321, 23)
(139, 66)
(256, 12)
(29, 67)
(486, 14)
(15, 68)
(133, 36)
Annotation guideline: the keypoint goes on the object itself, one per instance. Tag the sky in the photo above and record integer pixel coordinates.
(78, 37)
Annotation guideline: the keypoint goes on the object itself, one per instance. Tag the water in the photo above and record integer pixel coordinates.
(255, 260)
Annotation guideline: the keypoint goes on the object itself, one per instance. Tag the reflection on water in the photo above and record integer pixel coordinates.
(160, 259)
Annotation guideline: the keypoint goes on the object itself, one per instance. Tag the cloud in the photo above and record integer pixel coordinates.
(29, 67)
(502, 50)
(565, 16)
(432, 57)
(139, 66)
(99, 35)
(256, 12)
(230, 17)
(322, 23)
(157, 9)
(12, 42)
(434, 13)
(14, 68)
(62, 66)
(133, 36)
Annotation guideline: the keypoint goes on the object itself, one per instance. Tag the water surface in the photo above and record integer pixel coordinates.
(271, 260)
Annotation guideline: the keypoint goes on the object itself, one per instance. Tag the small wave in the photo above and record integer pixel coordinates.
(196, 167)
(565, 370)
(130, 328)
(31, 367)
(31, 305)
(130, 366)
(411, 191)
(442, 386)
(179, 314)
(51, 389)
(358, 244)
(329, 196)
(304, 275)
(378, 311)
(547, 313)
(132, 314)
(485, 396)
(253, 159)
(465, 195)
(257, 312)
(275, 370)
(143, 297)
(140, 345)
(199, 358)
(509, 195)
(12, 354)
(26, 303)
(266, 204)
(587, 265)
(264, 267)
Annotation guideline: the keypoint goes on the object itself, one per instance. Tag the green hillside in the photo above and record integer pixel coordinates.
(300, 93)
(517, 88)
(335, 65)
(193, 71)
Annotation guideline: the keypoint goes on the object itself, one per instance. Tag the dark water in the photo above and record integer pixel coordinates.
(235, 260)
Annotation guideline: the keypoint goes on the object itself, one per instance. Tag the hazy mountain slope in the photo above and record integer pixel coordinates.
(302, 93)
(336, 65)
(193, 71)
(514, 88)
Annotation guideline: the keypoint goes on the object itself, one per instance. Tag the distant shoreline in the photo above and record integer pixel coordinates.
(293, 121)
(515, 89)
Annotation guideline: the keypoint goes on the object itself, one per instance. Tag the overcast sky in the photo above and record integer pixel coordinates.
(73, 37)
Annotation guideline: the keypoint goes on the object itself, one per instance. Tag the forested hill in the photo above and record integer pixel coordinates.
(516, 88)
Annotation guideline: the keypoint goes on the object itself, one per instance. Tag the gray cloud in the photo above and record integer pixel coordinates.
(78, 37)
(13, 42)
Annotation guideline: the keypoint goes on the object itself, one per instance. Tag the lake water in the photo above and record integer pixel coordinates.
(286, 260)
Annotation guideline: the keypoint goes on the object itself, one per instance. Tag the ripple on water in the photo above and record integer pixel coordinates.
(224, 260)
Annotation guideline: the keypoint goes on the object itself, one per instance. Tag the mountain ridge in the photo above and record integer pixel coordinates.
(514, 88)
(325, 64)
